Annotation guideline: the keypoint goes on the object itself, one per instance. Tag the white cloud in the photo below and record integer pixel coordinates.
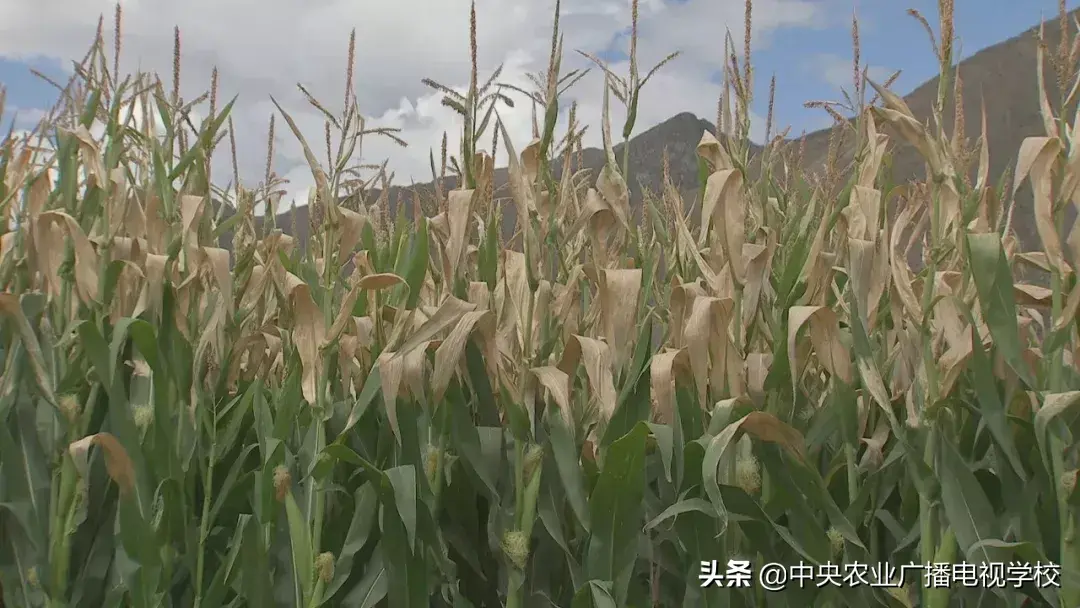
(264, 48)
(839, 71)
(23, 117)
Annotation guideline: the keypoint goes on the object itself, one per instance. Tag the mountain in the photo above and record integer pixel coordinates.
(1003, 76)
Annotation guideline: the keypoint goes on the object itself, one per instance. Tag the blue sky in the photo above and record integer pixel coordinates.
(805, 43)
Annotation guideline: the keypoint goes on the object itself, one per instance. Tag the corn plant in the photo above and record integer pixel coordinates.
(414, 412)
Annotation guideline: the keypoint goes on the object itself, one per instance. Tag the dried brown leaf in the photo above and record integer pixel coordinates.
(596, 357)
(662, 375)
(117, 462)
(309, 333)
(557, 382)
(1036, 159)
(825, 337)
(620, 291)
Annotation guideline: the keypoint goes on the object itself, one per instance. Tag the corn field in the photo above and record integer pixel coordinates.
(796, 368)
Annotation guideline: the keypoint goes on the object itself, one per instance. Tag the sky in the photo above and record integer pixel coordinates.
(263, 48)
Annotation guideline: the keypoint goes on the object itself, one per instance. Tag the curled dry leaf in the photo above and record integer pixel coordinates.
(1068, 312)
(362, 264)
(309, 333)
(686, 241)
(352, 225)
(757, 371)
(714, 360)
(49, 244)
(825, 338)
(117, 462)
(767, 427)
(517, 288)
(7, 244)
(873, 155)
(350, 370)
(530, 161)
(713, 151)
(90, 155)
(954, 362)
(612, 188)
(680, 305)
(662, 375)
(697, 334)
(191, 213)
(1032, 295)
(343, 317)
(902, 276)
(459, 209)
(1036, 161)
(860, 271)
(602, 223)
(724, 208)
(116, 203)
(521, 186)
(156, 229)
(127, 291)
(819, 278)
(758, 261)
(216, 261)
(874, 456)
(596, 357)
(727, 373)
(38, 195)
(250, 348)
(11, 307)
(479, 294)
(1045, 110)
(863, 213)
(448, 354)
(899, 116)
(415, 366)
(379, 281)
(154, 286)
(620, 292)
(391, 369)
(557, 382)
(446, 316)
